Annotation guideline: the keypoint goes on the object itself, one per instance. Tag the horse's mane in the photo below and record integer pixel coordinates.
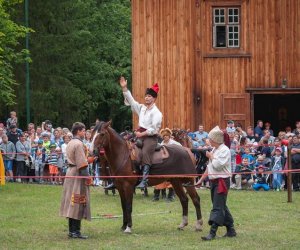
(98, 128)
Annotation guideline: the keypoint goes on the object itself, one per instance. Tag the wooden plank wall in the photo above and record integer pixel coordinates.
(216, 75)
(274, 43)
(171, 40)
(163, 52)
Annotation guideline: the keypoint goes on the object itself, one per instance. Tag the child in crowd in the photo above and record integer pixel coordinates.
(52, 161)
(46, 142)
(260, 179)
(260, 160)
(250, 157)
(39, 156)
(277, 165)
(13, 120)
(266, 152)
(243, 176)
(254, 148)
(88, 143)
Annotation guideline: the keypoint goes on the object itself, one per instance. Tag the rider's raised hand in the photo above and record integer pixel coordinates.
(123, 82)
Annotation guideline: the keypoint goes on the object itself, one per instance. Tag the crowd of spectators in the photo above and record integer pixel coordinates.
(257, 155)
(38, 152)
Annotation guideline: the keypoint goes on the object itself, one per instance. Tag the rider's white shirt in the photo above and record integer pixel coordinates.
(149, 118)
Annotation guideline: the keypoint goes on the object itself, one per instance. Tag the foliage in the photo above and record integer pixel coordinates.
(263, 220)
(79, 50)
(10, 34)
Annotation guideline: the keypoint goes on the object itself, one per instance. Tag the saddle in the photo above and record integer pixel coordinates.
(159, 155)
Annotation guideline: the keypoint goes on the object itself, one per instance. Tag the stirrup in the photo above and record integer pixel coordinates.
(142, 185)
(110, 186)
(188, 184)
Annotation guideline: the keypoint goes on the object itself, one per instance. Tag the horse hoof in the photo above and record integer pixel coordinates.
(182, 226)
(184, 222)
(199, 225)
(127, 230)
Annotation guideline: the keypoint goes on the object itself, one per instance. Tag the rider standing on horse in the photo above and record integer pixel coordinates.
(150, 119)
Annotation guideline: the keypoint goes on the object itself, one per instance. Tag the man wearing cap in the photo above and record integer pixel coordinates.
(13, 134)
(75, 203)
(150, 119)
(219, 173)
(230, 127)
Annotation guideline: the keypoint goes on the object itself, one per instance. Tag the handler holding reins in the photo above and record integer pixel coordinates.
(219, 173)
(150, 119)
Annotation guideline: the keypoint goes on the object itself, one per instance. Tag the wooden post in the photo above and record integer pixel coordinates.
(289, 175)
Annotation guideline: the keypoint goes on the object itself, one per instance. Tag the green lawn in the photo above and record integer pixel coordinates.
(29, 220)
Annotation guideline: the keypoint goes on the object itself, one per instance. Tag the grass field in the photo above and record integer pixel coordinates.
(29, 220)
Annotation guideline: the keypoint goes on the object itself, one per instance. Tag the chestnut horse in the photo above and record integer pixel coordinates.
(104, 171)
(118, 156)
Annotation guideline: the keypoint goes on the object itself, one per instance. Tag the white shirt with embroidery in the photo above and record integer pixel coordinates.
(220, 165)
(149, 118)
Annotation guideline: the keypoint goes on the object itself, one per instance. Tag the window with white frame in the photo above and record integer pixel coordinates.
(226, 27)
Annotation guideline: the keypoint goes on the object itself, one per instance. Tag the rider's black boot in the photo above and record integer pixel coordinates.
(144, 181)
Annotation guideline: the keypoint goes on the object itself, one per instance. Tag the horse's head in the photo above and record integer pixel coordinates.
(100, 135)
(181, 136)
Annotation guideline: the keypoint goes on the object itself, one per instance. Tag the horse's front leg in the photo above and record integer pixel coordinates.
(123, 203)
(183, 200)
(129, 197)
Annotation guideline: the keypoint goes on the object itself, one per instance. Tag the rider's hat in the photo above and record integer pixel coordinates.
(153, 91)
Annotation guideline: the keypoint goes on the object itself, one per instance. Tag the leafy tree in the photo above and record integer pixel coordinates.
(10, 35)
(79, 49)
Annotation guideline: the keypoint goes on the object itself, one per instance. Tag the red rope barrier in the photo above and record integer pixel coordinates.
(154, 176)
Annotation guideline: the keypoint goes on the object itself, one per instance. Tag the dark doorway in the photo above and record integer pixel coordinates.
(280, 110)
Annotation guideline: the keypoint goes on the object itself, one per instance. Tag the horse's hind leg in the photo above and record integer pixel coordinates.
(196, 201)
(183, 200)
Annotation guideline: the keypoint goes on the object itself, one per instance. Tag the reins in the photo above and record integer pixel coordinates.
(125, 158)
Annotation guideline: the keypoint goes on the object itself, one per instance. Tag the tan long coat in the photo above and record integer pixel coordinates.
(75, 201)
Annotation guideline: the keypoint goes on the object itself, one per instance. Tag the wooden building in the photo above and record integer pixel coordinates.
(218, 60)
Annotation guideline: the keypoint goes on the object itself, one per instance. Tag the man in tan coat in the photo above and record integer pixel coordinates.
(75, 203)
